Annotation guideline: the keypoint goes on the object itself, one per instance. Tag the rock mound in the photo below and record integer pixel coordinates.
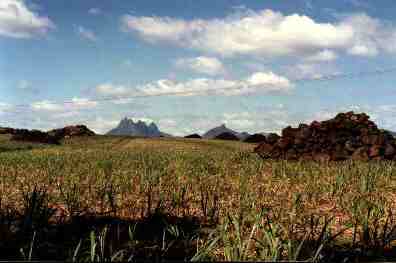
(35, 136)
(71, 131)
(256, 138)
(193, 136)
(227, 136)
(347, 136)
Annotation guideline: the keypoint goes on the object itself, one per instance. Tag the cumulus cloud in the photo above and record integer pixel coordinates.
(311, 71)
(4, 107)
(73, 104)
(269, 33)
(94, 11)
(322, 56)
(102, 125)
(206, 65)
(108, 89)
(86, 33)
(264, 82)
(17, 21)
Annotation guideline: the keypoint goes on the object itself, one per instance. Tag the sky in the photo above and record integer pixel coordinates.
(256, 66)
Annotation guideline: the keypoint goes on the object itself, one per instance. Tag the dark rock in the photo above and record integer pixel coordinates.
(213, 133)
(322, 157)
(264, 150)
(306, 157)
(6, 130)
(360, 154)
(272, 138)
(339, 154)
(375, 150)
(291, 154)
(227, 136)
(256, 138)
(193, 136)
(390, 150)
(35, 136)
(284, 142)
(72, 131)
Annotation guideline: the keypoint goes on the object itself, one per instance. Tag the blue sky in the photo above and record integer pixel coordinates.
(224, 61)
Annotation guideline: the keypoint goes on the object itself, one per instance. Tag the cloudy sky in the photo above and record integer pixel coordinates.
(191, 65)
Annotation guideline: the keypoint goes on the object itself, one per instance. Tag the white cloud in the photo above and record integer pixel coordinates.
(109, 89)
(86, 33)
(261, 82)
(101, 125)
(363, 50)
(325, 55)
(23, 85)
(46, 105)
(311, 71)
(82, 103)
(206, 65)
(359, 3)
(73, 104)
(127, 63)
(268, 33)
(17, 21)
(5, 107)
(95, 11)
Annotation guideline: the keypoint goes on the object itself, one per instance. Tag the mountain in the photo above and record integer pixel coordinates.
(211, 134)
(138, 128)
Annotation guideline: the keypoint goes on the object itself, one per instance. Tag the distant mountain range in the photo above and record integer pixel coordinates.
(143, 129)
(212, 133)
(137, 128)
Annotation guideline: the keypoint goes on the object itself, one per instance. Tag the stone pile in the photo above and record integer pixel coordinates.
(347, 136)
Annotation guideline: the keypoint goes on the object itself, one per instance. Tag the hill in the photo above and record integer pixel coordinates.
(213, 133)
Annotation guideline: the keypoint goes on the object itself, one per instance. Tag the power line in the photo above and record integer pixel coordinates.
(211, 90)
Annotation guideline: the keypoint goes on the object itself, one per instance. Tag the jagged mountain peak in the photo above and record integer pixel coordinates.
(136, 127)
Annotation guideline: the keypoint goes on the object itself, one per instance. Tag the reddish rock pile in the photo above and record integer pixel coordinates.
(347, 136)
(71, 131)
